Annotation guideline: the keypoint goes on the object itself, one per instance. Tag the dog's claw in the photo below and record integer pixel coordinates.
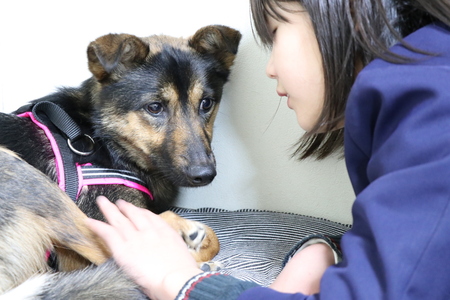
(193, 235)
(211, 266)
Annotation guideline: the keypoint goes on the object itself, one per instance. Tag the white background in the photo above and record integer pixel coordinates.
(43, 46)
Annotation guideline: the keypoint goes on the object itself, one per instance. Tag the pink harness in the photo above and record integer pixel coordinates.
(88, 174)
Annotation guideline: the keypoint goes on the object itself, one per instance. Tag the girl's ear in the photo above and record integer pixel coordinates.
(219, 41)
(111, 55)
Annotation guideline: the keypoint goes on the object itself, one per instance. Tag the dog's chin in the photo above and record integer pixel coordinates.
(186, 181)
(195, 184)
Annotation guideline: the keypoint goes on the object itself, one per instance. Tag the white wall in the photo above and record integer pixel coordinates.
(43, 46)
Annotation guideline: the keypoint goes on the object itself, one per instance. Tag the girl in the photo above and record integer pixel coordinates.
(383, 66)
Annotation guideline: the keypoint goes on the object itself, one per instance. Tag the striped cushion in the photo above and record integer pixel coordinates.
(254, 243)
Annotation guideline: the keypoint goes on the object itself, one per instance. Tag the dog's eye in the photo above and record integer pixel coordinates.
(155, 108)
(206, 105)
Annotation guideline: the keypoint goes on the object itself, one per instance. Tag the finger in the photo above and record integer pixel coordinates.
(114, 216)
(106, 232)
(141, 218)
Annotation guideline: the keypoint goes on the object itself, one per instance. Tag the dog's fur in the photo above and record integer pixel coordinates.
(150, 106)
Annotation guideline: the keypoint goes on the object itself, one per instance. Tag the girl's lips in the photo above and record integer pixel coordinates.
(285, 95)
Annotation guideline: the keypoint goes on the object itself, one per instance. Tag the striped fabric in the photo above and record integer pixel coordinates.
(94, 172)
(254, 243)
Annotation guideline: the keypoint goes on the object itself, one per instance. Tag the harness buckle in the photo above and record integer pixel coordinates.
(83, 145)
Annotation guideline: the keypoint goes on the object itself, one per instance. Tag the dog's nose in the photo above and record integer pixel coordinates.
(201, 175)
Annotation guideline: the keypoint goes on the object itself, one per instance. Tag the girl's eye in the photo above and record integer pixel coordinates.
(155, 108)
(206, 105)
(274, 35)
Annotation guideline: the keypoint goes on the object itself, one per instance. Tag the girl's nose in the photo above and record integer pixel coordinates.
(270, 70)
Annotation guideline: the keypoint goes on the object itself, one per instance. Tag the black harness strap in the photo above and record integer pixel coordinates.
(65, 132)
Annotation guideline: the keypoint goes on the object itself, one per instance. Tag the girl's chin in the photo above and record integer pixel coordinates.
(304, 123)
(288, 102)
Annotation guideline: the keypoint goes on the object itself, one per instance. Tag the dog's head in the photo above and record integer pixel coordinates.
(156, 99)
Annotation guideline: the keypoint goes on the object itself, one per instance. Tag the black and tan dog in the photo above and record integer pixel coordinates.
(143, 123)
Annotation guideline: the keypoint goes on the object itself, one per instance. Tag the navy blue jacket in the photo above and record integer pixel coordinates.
(397, 150)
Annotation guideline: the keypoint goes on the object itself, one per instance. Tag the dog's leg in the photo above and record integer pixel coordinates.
(75, 244)
(22, 246)
(200, 238)
(27, 235)
(35, 215)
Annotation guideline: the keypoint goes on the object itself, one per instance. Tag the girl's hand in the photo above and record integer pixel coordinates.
(146, 248)
(302, 274)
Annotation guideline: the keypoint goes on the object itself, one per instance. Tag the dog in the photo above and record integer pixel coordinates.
(143, 122)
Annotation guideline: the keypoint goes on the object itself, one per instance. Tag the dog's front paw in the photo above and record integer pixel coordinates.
(202, 241)
(200, 238)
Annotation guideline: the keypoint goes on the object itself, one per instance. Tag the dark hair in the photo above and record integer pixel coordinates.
(349, 32)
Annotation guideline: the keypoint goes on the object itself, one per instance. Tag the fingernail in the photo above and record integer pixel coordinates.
(121, 202)
(101, 198)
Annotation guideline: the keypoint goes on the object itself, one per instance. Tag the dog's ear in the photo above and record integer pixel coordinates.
(110, 55)
(219, 41)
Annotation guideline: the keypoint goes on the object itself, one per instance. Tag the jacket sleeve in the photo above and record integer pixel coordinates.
(213, 286)
(398, 158)
(216, 286)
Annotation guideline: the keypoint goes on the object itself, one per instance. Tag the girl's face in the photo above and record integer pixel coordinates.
(296, 64)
